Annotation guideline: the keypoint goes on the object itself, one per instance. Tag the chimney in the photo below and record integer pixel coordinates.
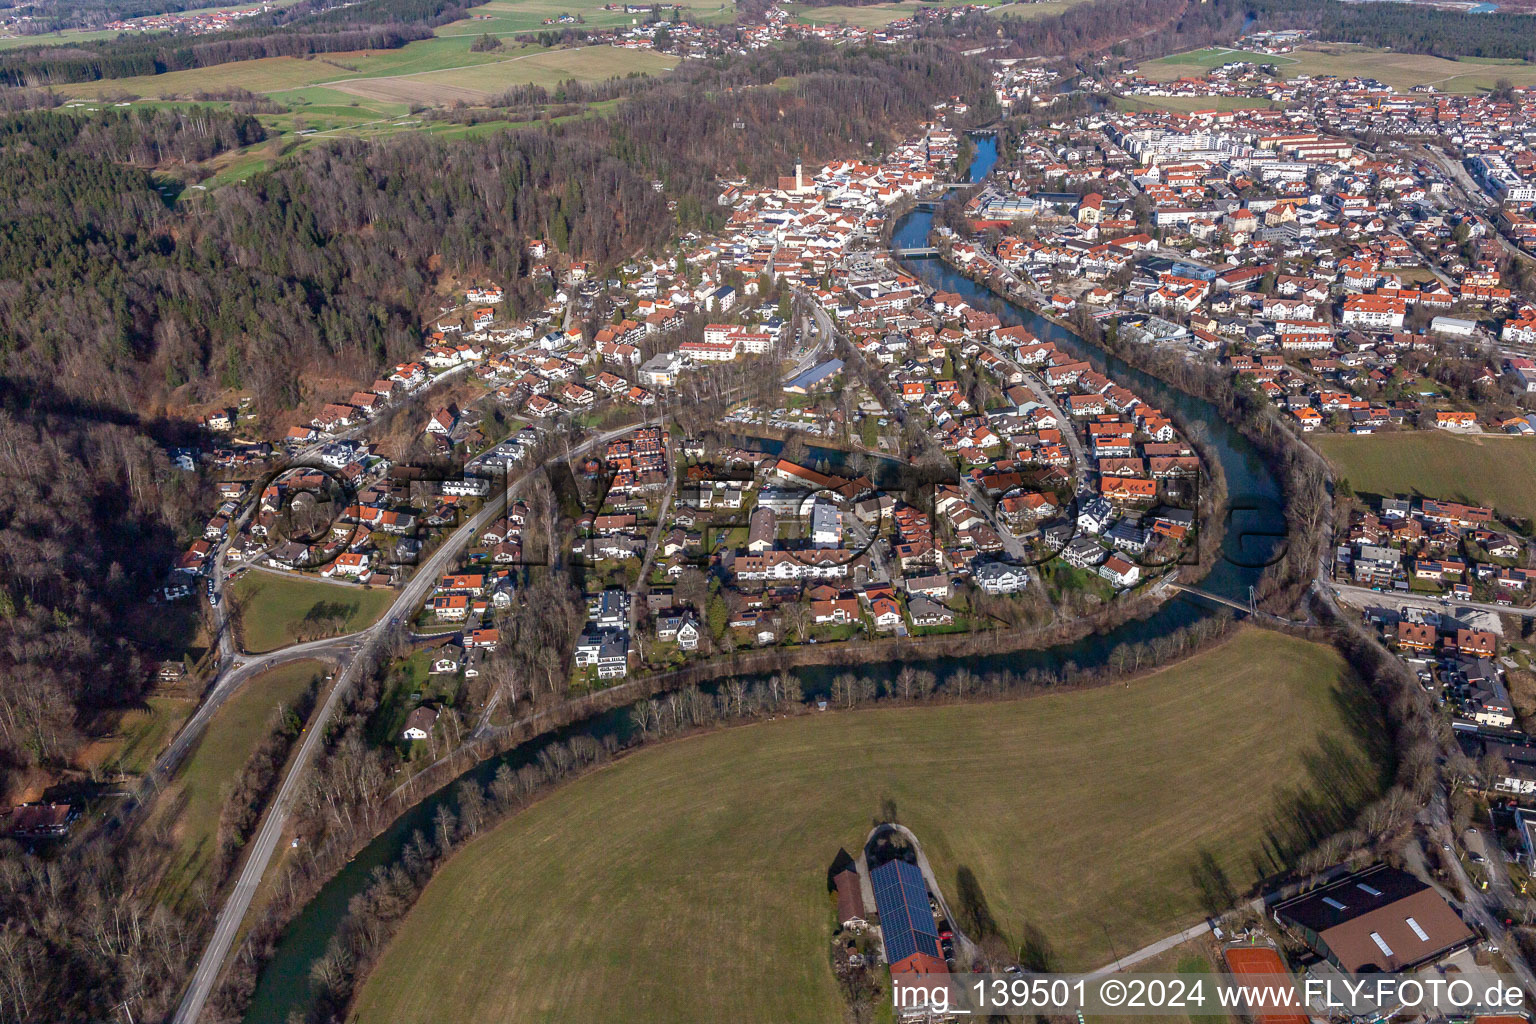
(799, 178)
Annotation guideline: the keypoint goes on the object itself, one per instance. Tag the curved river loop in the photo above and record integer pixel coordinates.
(1254, 525)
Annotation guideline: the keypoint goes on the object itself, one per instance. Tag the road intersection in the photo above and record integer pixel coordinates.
(355, 653)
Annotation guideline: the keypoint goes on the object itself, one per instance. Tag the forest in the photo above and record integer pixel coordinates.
(143, 137)
(1409, 28)
(305, 28)
(1142, 28)
(1126, 30)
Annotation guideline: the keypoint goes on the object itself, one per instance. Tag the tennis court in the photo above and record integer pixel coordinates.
(1256, 961)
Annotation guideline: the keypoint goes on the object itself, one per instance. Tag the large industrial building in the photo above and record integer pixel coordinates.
(1375, 921)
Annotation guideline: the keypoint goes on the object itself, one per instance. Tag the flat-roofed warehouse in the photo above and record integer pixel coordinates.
(1374, 921)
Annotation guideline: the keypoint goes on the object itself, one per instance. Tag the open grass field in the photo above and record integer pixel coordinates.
(143, 733)
(1191, 959)
(880, 15)
(1188, 103)
(427, 71)
(537, 67)
(688, 882)
(1493, 469)
(60, 38)
(274, 609)
(74, 35)
(1195, 62)
(512, 17)
(196, 796)
(1402, 71)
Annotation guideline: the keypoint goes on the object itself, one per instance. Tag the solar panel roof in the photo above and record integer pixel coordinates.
(906, 923)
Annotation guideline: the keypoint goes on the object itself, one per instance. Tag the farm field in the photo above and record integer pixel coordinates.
(60, 38)
(711, 853)
(276, 610)
(418, 72)
(198, 792)
(880, 15)
(1188, 103)
(481, 82)
(1493, 469)
(1402, 71)
(507, 17)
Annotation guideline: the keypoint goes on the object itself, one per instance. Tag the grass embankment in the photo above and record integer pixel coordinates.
(1496, 470)
(144, 733)
(195, 798)
(688, 881)
(276, 611)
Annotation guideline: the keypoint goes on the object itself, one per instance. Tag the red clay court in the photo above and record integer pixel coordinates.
(1261, 960)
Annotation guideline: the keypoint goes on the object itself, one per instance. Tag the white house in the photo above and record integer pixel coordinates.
(419, 725)
(1119, 572)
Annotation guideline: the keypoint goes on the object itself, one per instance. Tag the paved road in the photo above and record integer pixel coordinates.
(1391, 599)
(242, 669)
(653, 541)
(1482, 907)
(1156, 948)
(824, 335)
(355, 650)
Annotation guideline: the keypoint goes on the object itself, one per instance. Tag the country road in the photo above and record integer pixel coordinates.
(355, 650)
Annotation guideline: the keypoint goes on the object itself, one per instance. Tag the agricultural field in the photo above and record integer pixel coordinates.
(1494, 469)
(61, 38)
(511, 17)
(195, 797)
(279, 610)
(75, 35)
(478, 83)
(1402, 71)
(880, 15)
(1188, 103)
(430, 71)
(715, 849)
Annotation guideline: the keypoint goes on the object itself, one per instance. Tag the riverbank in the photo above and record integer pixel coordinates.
(1307, 485)
(743, 818)
(295, 948)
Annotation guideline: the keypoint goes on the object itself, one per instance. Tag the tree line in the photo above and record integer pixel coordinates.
(374, 915)
(141, 136)
(246, 801)
(156, 54)
(305, 28)
(1407, 28)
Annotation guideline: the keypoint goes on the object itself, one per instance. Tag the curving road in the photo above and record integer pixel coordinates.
(354, 651)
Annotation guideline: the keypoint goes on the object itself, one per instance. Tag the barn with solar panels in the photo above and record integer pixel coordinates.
(906, 923)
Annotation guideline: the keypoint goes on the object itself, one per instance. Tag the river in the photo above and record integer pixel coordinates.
(1255, 522)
